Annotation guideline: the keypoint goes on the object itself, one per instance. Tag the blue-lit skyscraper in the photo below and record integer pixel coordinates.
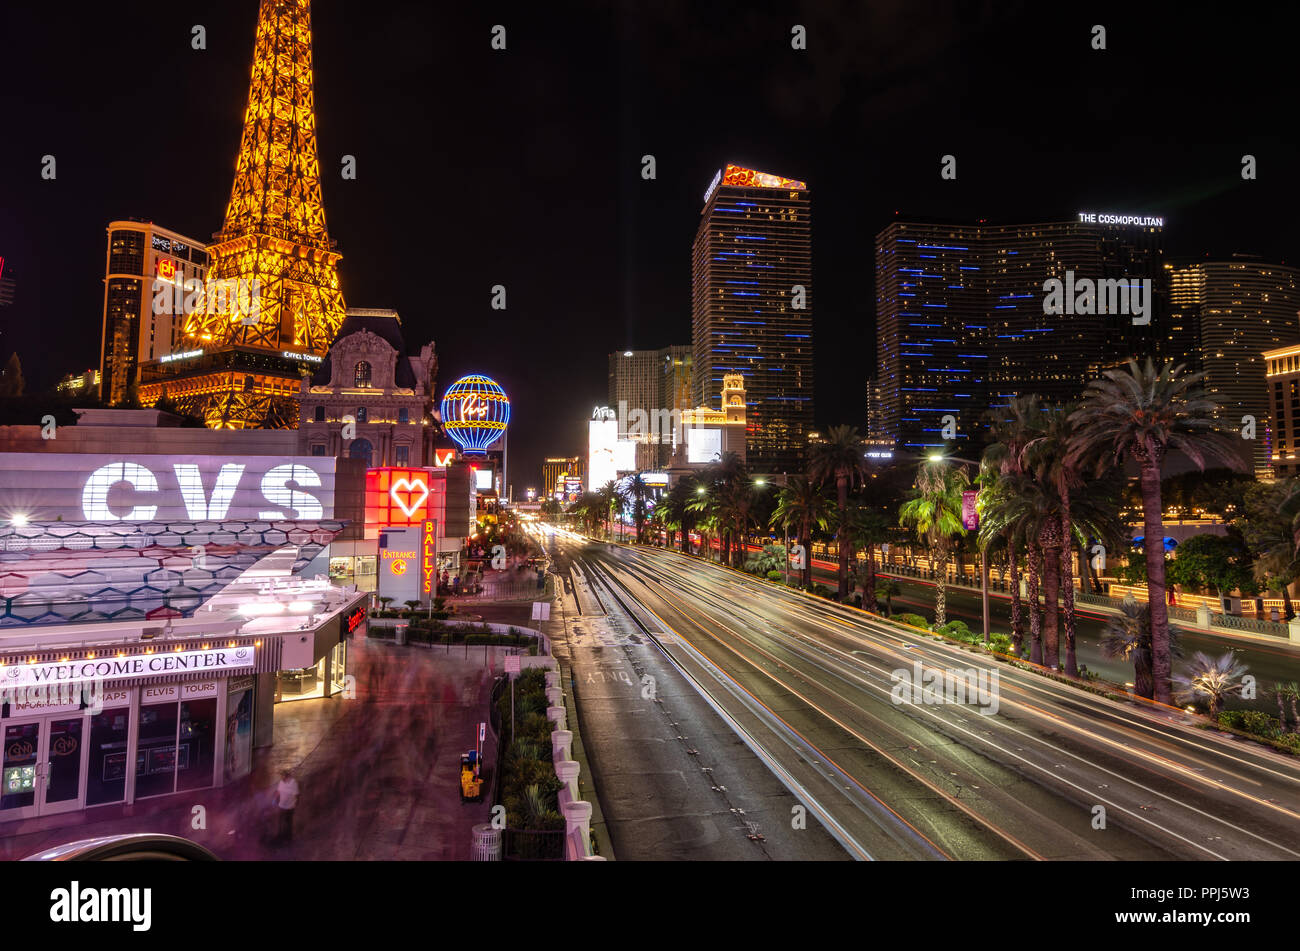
(961, 324)
(752, 304)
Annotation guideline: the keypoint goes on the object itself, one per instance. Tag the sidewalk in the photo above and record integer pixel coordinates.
(563, 608)
(1081, 603)
(380, 775)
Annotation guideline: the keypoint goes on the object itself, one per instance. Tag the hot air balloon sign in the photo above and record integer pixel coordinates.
(475, 413)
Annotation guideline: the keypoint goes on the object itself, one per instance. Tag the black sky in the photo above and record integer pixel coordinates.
(522, 167)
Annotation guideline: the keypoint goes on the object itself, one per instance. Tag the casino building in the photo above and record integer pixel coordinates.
(155, 606)
(144, 263)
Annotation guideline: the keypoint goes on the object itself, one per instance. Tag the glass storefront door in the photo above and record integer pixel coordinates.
(42, 767)
(19, 770)
(106, 769)
(65, 757)
(155, 757)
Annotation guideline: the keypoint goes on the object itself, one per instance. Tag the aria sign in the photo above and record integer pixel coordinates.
(104, 488)
(126, 668)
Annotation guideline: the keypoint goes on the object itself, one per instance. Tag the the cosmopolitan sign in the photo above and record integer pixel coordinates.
(121, 488)
(1144, 221)
(127, 668)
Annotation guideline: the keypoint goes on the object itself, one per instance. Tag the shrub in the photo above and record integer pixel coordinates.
(958, 630)
(774, 575)
(913, 620)
(821, 591)
(1252, 721)
(1000, 643)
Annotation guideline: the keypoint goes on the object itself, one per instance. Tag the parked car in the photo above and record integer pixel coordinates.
(136, 847)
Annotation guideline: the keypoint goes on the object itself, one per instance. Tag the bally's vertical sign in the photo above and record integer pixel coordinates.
(428, 559)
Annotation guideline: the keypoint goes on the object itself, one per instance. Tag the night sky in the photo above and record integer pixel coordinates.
(523, 167)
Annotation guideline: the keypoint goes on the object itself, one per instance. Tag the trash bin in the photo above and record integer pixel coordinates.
(486, 845)
(401, 634)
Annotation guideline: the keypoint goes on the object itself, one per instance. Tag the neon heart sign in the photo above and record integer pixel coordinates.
(409, 486)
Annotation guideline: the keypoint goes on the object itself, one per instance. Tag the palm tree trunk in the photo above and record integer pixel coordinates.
(941, 591)
(1154, 545)
(869, 598)
(1091, 570)
(842, 494)
(1051, 621)
(1288, 610)
(1017, 623)
(806, 541)
(1035, 615)
(1067, 585)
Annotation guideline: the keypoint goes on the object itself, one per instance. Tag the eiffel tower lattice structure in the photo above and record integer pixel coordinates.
(242, 368)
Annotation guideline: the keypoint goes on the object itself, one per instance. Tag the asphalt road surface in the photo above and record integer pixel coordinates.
(1269, 663)
(834, 704)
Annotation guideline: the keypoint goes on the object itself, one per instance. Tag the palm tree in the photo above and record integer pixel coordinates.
(637, 491)
(1291, 692)
(840, 459)
(1127, 637)
(670, 511)
(869, 528)
(1266, 527)
(1000, 527)
(934, 512)
(1281, 692)
(888, 589)
(801, 506)
(1215, 678)
(1011, 430)
(701, 507)
(1140, 413)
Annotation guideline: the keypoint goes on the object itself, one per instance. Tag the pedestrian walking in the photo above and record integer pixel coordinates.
(285, 799)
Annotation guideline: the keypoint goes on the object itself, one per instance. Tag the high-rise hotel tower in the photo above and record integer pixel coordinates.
(963, 322)
(752, 307)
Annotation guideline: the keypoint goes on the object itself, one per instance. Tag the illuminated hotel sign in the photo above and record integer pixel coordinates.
(125, 668)
(180, 356)
(708, 192)
(1145, 221)
(311, 357)
(97, 487)
(442, 458)
(428, 559)
(166, 269)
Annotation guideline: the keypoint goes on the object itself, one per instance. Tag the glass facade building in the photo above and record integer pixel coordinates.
(752, 309)
(1241, 308)
(962, 326)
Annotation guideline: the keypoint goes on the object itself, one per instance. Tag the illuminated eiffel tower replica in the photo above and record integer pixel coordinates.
(239, 367)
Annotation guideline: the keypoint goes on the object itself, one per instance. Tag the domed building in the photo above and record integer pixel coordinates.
(369, 376)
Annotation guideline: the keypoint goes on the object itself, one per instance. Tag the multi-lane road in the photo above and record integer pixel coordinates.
(1270, 660)
(838, 710)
